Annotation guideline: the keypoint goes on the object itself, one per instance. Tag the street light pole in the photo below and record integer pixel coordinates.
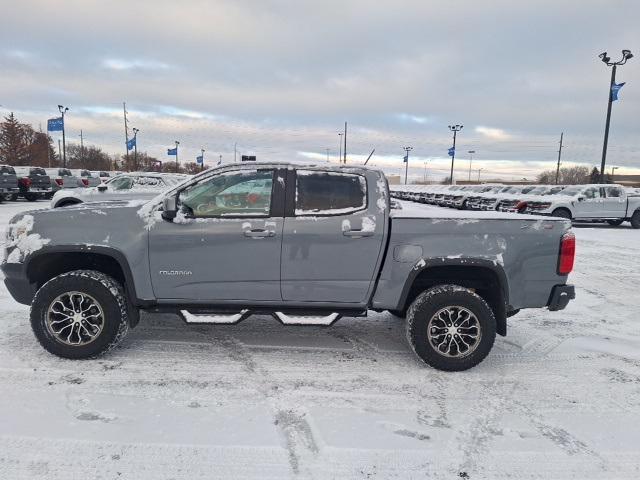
(626, 55)
(340, 147)
(479, 170)
(202, 155)
(63, 110)
(470, 152)
(177, 167)
(613, 171)
(406, 163)
(455, 129)
(135, 148)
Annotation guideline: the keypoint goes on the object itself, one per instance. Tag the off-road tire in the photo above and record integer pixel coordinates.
(615, 223)
(562, 213)
(427, 304)
(105, 290)
(635, 219)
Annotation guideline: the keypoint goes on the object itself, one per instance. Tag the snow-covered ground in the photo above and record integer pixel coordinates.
(558, 398)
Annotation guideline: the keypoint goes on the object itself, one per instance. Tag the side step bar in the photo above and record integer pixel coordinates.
(230, 318)
(306, 320)
(218, 318)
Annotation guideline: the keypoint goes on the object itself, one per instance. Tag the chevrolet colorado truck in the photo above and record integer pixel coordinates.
(305, 244)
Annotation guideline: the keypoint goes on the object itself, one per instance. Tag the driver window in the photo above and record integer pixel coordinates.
(121, 183)
(591, 193)
(230, 194)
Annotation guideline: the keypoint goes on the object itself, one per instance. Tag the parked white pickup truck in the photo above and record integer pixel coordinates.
(608, 202)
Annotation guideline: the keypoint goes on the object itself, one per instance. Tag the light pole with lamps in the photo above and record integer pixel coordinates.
(177, 167)
(479, 170)
(613, 171)
(340, 147)
(470, 152)
(135, 148)
(626, 55)
(455, 129)
(406, 163)
(63, 110)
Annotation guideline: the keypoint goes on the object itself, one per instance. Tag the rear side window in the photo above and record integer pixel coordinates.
(613, 192)
(329, 193)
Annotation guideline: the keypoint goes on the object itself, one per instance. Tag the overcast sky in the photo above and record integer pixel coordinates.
(281, 77)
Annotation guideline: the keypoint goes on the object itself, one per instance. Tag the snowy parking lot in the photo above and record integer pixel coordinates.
(559, 397)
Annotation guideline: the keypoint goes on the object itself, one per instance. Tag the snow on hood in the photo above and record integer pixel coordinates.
(23, 242)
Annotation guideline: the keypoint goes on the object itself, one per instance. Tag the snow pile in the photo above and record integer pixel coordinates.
(23, 242)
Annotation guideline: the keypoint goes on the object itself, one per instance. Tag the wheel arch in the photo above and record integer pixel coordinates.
(487, 278)
(49, 262)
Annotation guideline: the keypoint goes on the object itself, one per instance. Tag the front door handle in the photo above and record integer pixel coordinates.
(358, 233)
(259, 233)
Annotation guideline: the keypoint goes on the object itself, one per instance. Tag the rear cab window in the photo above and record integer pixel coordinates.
(329, 193)
(614, 192)
(7, 170)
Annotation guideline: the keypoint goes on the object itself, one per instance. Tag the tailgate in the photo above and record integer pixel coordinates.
(40, 182)
(8, 180)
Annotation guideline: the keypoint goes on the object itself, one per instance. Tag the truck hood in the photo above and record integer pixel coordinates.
(112, 224)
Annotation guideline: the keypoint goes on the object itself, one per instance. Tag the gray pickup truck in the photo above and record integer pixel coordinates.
(306, 244)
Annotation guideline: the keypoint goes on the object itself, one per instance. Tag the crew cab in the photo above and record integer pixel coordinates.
(33, 183)
(306, 244)
(607, 202)
(8, 182)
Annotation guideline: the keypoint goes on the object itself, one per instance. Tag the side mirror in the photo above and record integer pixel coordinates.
(102, 188)
(169, 208)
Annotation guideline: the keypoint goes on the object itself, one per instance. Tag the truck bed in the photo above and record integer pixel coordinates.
(420, 210)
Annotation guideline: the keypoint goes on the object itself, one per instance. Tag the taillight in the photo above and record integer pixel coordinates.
(567, 253)
(85, 182)
(59, 181)
(25, 182)
(521, 206)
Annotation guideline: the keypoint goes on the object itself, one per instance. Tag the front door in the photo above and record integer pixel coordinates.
(591, 204)
(224, 243)
(331, 244)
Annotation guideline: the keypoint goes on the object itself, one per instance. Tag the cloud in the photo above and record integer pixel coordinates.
(493, 133)
(122, 64)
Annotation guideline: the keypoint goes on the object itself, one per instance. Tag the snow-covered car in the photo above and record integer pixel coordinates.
(101, 174)
(62, 178)
(87, 179)
(129, 186)
(608, 202)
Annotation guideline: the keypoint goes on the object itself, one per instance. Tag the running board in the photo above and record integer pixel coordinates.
(306, 319)
(214, 318)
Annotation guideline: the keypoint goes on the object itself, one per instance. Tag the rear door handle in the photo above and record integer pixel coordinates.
(358, 233)
(259, 233)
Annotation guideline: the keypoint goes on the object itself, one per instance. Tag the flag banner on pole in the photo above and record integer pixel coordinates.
(452, 152)
(199, 159)
(172, 151)
(615, 88)
(55, 124)
(131, 143)
(405, 159)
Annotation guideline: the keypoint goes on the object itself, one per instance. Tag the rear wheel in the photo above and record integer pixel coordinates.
(80, 314)
(615, 223)
(32, 197)
(635, 219)
(450, 328)
(562, 213)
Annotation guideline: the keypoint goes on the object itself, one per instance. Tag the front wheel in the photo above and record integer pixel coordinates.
(80, 314)
(31, 197)
(562, 213)
(450, 328)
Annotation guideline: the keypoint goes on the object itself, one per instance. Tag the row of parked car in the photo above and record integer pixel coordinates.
(610, 203)
(33, 183)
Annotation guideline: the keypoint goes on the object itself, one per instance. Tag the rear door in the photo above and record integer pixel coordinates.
(332, 238)
(614, 202)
